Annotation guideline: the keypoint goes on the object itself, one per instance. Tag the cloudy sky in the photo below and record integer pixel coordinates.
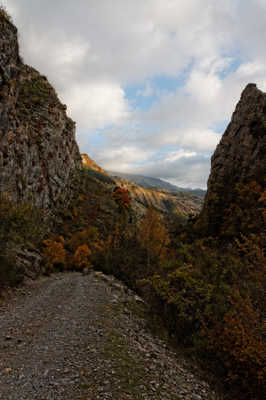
(151, 84)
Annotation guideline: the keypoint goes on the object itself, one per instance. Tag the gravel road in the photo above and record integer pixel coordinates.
(78, 337)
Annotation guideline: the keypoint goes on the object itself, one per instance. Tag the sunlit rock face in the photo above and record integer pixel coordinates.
(39, 157)
(88, 162)
(239, 159)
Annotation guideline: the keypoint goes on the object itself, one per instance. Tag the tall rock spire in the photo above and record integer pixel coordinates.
(238, 163)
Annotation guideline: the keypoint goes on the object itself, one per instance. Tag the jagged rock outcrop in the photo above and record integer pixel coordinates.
(239, 159)
(39, 157)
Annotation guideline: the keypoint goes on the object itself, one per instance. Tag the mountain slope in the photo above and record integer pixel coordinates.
(163, 201)
(143, 198)
(153, 183)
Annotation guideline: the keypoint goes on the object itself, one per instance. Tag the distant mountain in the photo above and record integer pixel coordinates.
(153, 183)
(143, 197)
(180, 203)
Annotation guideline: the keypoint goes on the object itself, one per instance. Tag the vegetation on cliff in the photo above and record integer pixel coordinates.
(22, 229)
(4, 14)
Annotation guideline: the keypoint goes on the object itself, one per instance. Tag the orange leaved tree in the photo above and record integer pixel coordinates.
(54, 254)
(122, 199)
(153, 236)
(81, 258)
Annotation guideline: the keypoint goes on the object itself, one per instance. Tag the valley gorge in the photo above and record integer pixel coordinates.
(109, 290)
(178, 203)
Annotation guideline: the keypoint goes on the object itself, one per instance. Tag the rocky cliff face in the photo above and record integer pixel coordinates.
(239, 159)
(39, 157)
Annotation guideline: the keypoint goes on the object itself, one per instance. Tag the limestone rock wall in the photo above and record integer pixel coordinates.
(240, 157)
(39, 157)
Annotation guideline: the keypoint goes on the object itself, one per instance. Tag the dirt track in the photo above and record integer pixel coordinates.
(83, 337)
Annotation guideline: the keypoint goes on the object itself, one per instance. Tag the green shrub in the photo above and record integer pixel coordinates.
(10, 273)
(21, 226)
(36, 91)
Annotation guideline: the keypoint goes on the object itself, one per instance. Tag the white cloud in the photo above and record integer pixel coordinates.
(188, 139)
(91, 51)
(204, 87)
(200, 140)
(251, 69)
(177, 155)
(95, 105)
(122, 158)
(187, 171)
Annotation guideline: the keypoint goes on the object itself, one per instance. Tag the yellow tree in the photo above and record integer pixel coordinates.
(153, 236)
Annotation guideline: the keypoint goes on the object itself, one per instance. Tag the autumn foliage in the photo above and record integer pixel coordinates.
(153, 236)
(73, 253)
(237, 341)
(121, 197)
(246, 213)
(208, 289)
(81, 258)
(54, 254)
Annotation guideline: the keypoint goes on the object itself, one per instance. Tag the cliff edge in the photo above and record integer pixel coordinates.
(39, 157)
(238, 168)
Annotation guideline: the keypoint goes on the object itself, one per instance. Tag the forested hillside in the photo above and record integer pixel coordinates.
(155, 183)
(179, 204)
